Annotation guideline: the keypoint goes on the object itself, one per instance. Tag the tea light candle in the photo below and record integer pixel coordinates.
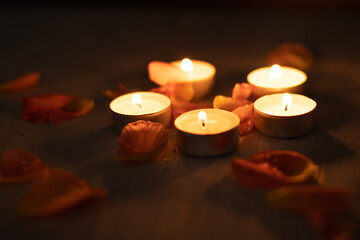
(284, 115)
(276, 79)
(148, 106)
(199, 73)
(207, 132)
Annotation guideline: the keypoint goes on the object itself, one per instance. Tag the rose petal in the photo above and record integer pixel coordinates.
(180, 107)
(55, 108)
(292, 54)
(241, 91)
(247, 121)
(18, 165)
(21, 83)
(56, 192)
(163, 73)
(142, 140)
(121, 90)
(304, 199)
(228, 103)
(271, 169)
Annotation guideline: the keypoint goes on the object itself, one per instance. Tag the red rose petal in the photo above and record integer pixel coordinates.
(18, 165)
(21, 83)
(56, 108)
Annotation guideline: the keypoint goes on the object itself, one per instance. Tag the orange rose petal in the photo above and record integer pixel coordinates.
(21, 83)
(18, 165)
(228, 103)
(56, 192)
(241, 91)
(276, 168)
(180, 107)
(247, 121)
(162, 73)
(142, 140)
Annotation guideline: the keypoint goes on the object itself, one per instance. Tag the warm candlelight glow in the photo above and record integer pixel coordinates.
(287, 101)
(275, 72)
(202, 118)
(186, 65)
(136, 101)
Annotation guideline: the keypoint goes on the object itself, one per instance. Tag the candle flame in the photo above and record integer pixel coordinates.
(186, 65)
(287, 101)
(275, 72)
(202, 119)
(136, 100)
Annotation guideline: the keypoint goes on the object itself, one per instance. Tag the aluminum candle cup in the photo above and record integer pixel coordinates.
(276, 79)
(207, 132)
(148, 106)
(199, 73)
(284, 115)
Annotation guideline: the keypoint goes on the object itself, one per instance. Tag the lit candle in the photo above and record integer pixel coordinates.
(276, 79)
(148, 106)
(284, 115)
(207, 132)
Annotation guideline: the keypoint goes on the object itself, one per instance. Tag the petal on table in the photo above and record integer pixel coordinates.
(275, 168)
(180, 107)
(241, 91)
(18, 165)
(163, 73)
(55, 108)
(56, 192)
(114, 93)
(142, 141)
(292, 54)
(247, 121)
(21, 83)
(228, 103)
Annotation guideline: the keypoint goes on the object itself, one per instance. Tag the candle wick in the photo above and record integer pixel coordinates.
(286, 107)
(139, 105)
(203, 124)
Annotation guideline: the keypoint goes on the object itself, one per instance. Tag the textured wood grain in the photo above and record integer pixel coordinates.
(83, 52)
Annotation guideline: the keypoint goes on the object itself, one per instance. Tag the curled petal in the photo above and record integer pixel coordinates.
(247, 121)
(180, 107)
(56, 192)
(121, 90)
(21, 83)
(292, 54)
(55, 108)
(163, 73)
(228, 103)
(18, 165)
(178, 91)
(241, 91)
(142, 140)
(272, 169)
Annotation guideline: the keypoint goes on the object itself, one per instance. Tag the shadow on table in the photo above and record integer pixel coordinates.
(249, 203)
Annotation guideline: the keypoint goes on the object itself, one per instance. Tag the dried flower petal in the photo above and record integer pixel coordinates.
(326, 207)
(241, 91)
(18, 165)
(121, 90)
(21, 83)
(180, 107)
(271, 169)
(163, 73)
(247, 121)
(142, 140)
(292, 54)
(228, 103)
(54, 193)
(55, 108)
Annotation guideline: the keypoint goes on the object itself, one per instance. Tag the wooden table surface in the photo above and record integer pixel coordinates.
(84, 51)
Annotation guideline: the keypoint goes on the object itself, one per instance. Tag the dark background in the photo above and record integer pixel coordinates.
(83, 48)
